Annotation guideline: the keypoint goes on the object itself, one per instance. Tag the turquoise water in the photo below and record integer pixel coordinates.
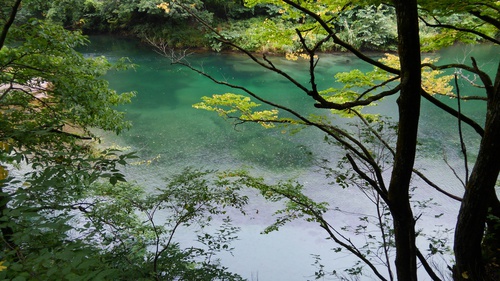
(168, 129)
(172, 135)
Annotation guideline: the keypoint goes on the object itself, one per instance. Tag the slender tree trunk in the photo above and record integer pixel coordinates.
(8, 24)
(480, 198)
(6, 231)
(409, 109)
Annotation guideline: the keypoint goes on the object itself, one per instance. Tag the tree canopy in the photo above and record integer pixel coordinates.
(66, 211)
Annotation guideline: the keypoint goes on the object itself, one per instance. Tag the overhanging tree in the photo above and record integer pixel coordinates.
(64, 212)
(50, 97)
(475, 250)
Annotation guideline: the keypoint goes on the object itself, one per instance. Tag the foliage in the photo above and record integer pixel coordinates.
(66, 211)
(371, 27)
(129, 221)
(450, 22)
(121, 232)
(241, 104)
(266, 26)
(72, 93)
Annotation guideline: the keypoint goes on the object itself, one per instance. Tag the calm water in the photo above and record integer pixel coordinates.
(168, 131)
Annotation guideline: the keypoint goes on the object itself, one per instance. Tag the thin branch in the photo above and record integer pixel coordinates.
(351, 104)
(364, 176)
(268, 65)
(150, 216)
(453, 65)
(6, 90)
(312, 61)
(427, 267)
(485, 78)
(493, 7)
(385, 243)
(415, 171)
(467, 98)
(338, 41)
(485, 18)
(329, 229)
(445, 159)
(9, 23)
(453, 112)
(429, 182)
(467, 30)
(378, 86)
(460, 133)
(374, 132)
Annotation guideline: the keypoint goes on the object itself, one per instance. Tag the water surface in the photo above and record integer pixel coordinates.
(173, 135)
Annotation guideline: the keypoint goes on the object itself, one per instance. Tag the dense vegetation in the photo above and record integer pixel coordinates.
(263, 27)
(66, 212)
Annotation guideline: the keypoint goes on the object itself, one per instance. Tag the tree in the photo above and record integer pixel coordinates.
(50, 97)
(66, 212)
(408, 78)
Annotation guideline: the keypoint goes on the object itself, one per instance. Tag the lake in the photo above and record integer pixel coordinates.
(171, 134)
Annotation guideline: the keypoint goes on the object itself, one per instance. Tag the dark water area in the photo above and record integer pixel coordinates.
(169, 134)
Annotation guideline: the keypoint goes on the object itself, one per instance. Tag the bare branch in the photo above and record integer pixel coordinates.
(485, 18)
(372, 182)
(429, 182)
(351, 104)
(485, 78)
(9, 23)
(415, 171)
(427, 267)
(378, 86)
(445, 159)
(385, 243)
(468, 30)
(460, 133)
(338, 41)
(452, 65)
(348, 245)
(453, 112)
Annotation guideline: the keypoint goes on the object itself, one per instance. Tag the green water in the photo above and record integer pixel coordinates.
(170, 133)
(167, 129)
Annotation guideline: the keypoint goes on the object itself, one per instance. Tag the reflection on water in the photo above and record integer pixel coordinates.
(168, 130)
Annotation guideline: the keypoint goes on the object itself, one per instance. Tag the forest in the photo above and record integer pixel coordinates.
(68, 210)
(256, 27)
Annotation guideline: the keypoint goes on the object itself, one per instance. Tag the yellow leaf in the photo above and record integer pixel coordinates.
(465, 275)
(3, 175)
(2, 267)
(164, 6)
(4, 146)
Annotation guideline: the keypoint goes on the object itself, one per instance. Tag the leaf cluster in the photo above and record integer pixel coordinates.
(122, 232)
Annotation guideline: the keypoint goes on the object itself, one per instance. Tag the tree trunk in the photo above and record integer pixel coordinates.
(6, 231)
(480, 198)
(409, 109)
(9, 22)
